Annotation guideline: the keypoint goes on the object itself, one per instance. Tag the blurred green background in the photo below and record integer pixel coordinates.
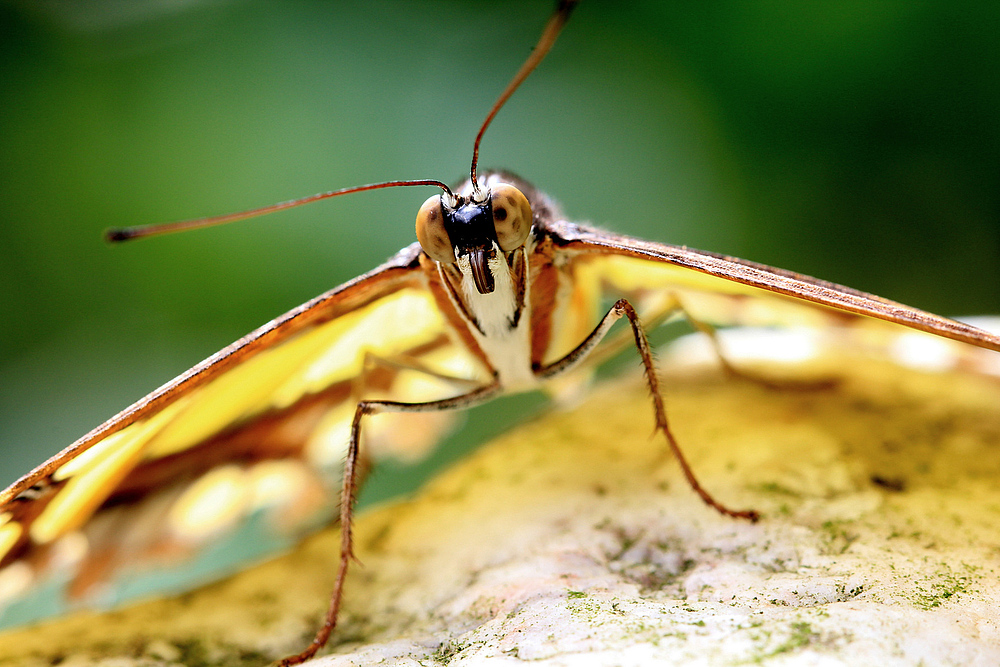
(854, 141)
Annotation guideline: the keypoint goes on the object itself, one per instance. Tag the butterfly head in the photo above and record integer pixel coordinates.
(475, 226)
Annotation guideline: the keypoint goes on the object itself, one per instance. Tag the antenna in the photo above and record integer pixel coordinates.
(142, 231)
(545, 43)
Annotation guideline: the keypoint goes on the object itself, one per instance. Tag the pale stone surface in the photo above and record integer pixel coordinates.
(572, 541)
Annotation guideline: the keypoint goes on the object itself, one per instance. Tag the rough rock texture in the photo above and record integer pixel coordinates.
(573, 540)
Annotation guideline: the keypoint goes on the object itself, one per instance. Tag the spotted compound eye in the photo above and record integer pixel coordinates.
(511, 216)
(431, 233)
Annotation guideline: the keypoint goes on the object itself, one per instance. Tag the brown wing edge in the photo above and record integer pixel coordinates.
(578, 237)
(389, 277)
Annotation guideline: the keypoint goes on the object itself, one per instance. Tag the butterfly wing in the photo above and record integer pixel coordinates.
(235, 457)
(724, 291)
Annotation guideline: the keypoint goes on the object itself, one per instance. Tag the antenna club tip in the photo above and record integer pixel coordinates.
(118, 234)
(566, 6)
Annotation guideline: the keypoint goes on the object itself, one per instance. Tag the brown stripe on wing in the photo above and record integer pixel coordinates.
(278, 434)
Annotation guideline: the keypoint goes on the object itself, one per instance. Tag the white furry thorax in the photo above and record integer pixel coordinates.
(506, 343)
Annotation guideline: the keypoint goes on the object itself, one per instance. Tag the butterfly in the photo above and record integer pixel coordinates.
(252, 439)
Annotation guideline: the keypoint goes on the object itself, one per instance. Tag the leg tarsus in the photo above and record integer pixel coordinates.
(622, 308)
(348, 495)
(652, 379)
(348, 492)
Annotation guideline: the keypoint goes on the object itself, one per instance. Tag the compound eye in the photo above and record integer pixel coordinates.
(511, 216)
(431, 232)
